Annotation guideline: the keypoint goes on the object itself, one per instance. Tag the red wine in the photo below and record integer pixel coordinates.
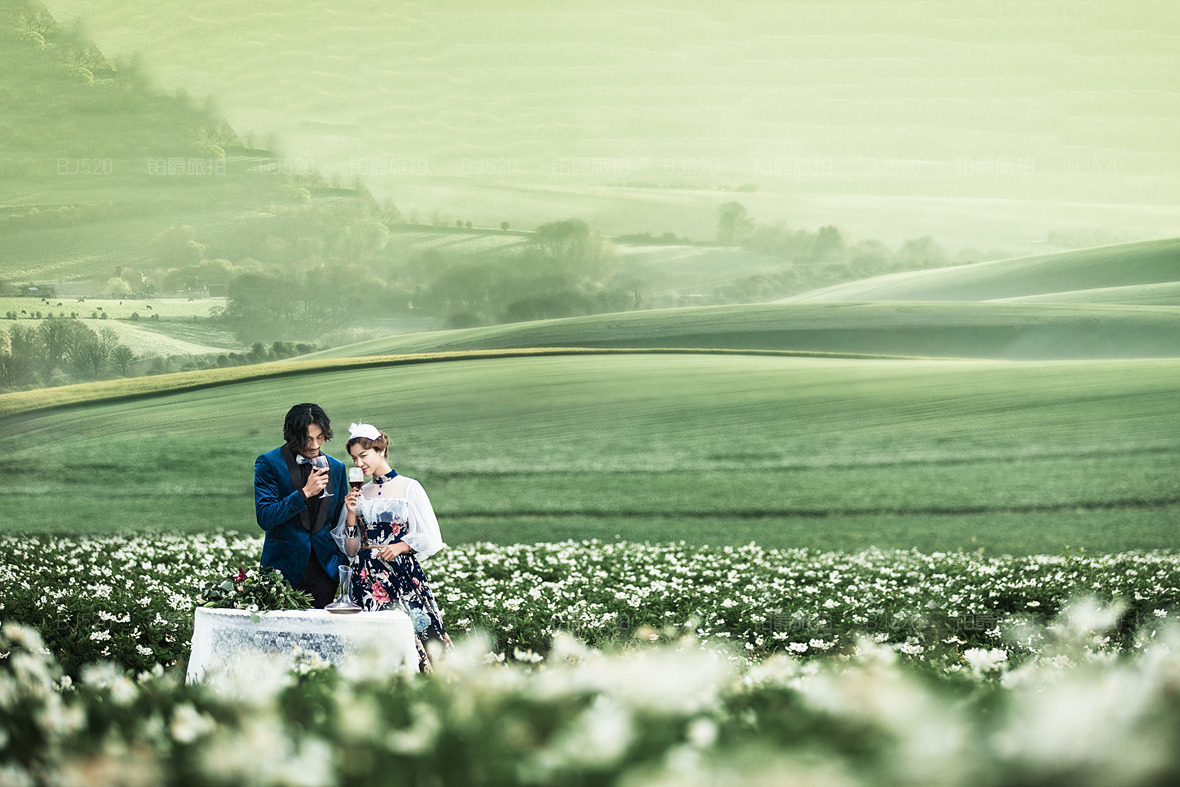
(356, 484)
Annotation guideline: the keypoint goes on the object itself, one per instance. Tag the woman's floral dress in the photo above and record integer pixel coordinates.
(399, 584)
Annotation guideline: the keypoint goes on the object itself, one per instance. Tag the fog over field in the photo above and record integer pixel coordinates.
(990, 124)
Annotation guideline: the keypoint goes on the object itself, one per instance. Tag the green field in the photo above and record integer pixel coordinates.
(1009, 457)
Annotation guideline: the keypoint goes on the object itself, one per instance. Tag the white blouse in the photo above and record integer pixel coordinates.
(408, 506)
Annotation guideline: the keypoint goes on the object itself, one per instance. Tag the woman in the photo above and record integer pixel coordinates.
(386, 529)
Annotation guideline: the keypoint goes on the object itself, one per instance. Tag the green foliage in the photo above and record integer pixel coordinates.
(31, 355)
(734, 224)
(565, 269)
(256, 589)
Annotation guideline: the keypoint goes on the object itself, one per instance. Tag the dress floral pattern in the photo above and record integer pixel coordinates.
(399, 583)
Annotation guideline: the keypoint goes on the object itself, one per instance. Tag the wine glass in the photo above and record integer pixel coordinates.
(356, 477)
(320, 462)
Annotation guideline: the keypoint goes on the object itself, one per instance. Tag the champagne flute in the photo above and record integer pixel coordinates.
(320, 462)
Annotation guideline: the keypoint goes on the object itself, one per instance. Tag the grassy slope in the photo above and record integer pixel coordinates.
(709, 448)
(985, 330)
(1165, 294)
(71, 146)
(1121, 265)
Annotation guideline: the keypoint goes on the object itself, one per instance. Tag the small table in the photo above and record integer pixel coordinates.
(222, 635)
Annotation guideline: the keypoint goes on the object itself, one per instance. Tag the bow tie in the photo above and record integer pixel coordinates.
(300, 459)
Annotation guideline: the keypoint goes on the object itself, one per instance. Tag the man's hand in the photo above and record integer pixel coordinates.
(316, 482)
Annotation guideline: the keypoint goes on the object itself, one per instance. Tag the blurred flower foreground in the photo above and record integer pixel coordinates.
(678, 712)
(685, 666)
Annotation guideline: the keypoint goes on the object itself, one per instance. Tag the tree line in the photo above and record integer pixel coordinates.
(61, 350)
(819, 258)
(32, 356)
(565, 269)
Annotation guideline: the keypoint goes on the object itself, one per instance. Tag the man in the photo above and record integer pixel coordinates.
(289, 507)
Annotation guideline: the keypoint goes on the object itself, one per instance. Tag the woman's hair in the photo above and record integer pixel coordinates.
(381, 443)
(298, 419)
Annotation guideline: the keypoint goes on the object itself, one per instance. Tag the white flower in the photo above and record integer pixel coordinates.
(702, 733)
(188, 725)
(983, 660)
(526, 656)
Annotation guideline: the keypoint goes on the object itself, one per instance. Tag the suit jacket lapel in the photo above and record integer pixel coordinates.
(297, 483)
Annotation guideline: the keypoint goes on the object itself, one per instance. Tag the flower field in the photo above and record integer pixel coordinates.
(618, 663)
(131, 599)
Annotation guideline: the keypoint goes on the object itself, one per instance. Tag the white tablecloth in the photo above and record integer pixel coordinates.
(222, 635)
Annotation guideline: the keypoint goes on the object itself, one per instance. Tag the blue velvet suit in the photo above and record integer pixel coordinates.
(283, 514)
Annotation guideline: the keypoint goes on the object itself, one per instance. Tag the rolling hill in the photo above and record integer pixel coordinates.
(1164, 294)
(1101, 268)
(1016, 331)
(96, 163)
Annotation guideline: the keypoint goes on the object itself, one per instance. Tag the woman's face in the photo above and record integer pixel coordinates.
(370, 460)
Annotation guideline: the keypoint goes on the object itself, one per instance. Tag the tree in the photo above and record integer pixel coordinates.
(829, 244)
(733, 224)
(18, 361)
(178, 246)
(572, 247)
(262, 297)
(117, 287)
(870, 258)
(122, 356)
(88, 356)
(58, 336)
(921, 252)
(90, 351)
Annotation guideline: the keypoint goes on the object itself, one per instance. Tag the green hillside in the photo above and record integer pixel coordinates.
(96, 164)
(962, 330)
(711, 448)
(1165, 294)
(1120, 265)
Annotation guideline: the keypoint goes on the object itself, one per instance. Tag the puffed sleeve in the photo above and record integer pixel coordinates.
(338, 530)
(423, 535)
